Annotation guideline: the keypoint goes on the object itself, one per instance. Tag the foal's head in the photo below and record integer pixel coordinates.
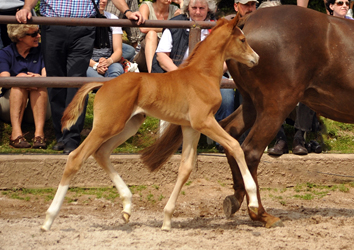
(237, 47)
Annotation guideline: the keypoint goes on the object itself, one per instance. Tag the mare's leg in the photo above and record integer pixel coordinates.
(188, 158)
(213, 130)
(102, 158)
(263, 131)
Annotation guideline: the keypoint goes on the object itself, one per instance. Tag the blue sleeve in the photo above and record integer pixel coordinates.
(4, 61)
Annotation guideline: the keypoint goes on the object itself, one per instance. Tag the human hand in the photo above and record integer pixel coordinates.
(105, 62)
(101, 69)
(23, 15)
(137, 16)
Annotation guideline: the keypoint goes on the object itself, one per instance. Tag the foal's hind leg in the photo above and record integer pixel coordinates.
(102, 158)
(188, 158)
(73, 164)
(213, 130)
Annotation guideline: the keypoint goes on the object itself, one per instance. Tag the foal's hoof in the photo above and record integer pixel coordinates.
(230, 206)
(125, 216)
(43, 229)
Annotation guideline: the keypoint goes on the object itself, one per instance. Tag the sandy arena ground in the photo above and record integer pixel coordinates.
(198, 223)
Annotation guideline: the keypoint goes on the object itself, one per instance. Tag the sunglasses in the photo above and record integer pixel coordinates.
(34, 34)
(340, 3)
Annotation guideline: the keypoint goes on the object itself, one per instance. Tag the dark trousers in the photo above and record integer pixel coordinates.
(67, 51)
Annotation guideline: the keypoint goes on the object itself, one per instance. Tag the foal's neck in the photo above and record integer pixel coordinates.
(209, 58)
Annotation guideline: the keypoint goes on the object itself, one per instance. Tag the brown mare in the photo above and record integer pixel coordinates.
(188, 97)
(305, 56)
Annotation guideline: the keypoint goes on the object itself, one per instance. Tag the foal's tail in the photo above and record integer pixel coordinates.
(76, 106)
(167, 144)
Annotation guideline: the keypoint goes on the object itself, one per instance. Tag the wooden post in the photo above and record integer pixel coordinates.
(194, 37)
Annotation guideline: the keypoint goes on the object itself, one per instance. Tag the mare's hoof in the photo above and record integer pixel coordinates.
(230, 206)
(125, 216)
(278, 223)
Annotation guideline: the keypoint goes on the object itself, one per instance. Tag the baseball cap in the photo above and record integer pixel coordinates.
(245, 1)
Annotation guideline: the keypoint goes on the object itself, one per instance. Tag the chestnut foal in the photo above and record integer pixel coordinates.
(188, 98)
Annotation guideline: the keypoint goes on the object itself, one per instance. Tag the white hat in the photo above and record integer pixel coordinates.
(245, 1)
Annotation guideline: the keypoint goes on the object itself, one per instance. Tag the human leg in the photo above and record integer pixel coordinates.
(302, 3)
(128, 52)
(92, 73)
(72, 60)
(114, 70)
(18, 100)
(227, 104)
(151, 40)
(303, 124)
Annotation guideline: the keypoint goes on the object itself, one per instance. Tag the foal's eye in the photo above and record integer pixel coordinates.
(243, 40)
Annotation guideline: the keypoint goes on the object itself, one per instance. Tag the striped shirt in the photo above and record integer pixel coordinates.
(68, 8)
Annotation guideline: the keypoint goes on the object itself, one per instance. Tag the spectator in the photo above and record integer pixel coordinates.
(67, 51)
(133, 33)
(23, 58)
(338, 8)
(156, 10)
(105, 61)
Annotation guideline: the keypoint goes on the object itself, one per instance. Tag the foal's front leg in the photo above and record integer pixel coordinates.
(214, 131)
(188, 159)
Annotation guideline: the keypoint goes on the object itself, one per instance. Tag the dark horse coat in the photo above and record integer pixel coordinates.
(305, 56)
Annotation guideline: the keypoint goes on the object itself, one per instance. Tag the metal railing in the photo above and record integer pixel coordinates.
(75, 82)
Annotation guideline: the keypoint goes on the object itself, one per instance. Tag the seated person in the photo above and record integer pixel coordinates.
(156, 10)
(133, 33)
(23, 58)
(108, 62)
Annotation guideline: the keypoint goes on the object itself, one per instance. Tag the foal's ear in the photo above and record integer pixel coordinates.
(235, 20)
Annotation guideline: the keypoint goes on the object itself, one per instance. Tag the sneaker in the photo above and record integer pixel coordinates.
(19, 142)
(39, 142)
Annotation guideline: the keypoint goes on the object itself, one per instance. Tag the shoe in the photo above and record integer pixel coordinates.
(315, 147)
(68, 148)
(299, 147)
(19, 142)
(280, 147)
(39, 142)
(59, 146)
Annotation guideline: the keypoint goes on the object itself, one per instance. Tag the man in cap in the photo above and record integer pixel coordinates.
(245, 6)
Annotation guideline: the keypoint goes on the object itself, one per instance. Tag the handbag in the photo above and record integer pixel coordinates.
(102, 37)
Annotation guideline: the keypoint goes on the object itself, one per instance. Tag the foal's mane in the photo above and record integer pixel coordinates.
(219, 23)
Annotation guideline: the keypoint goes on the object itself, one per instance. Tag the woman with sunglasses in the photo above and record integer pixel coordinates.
(23, 58)
(338, 8)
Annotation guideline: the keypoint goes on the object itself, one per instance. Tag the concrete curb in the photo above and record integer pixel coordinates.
(39, 171)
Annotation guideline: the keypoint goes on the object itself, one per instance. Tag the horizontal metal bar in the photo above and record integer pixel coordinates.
(70, 82)
(109, 22)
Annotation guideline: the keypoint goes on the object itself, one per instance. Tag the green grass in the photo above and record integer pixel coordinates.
(306, 191)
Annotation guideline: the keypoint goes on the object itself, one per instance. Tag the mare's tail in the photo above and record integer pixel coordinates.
(76, 106)
(160, 151)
